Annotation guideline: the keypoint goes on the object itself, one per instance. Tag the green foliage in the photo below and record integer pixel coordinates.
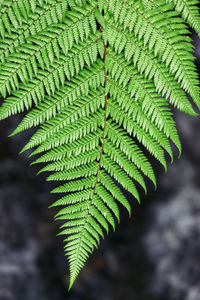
(98, 79)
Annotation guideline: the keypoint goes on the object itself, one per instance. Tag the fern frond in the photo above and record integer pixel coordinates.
(80, 84)
(189, 11)
(164, 82)
(44, 15)
(176, 56)
(99, 80)
(43, 48)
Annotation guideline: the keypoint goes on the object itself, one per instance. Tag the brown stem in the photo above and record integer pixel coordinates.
(105, 119)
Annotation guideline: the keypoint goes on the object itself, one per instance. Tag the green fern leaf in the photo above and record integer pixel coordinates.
(99, 81)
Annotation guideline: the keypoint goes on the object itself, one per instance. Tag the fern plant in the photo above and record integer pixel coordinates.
(98, 79)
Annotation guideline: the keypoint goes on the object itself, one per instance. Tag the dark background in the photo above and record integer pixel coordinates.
(155, 255)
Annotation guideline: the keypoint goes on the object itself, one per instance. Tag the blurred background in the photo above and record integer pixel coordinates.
(155, 255)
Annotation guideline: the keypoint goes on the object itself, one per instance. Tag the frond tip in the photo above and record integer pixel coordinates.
(98, 80)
